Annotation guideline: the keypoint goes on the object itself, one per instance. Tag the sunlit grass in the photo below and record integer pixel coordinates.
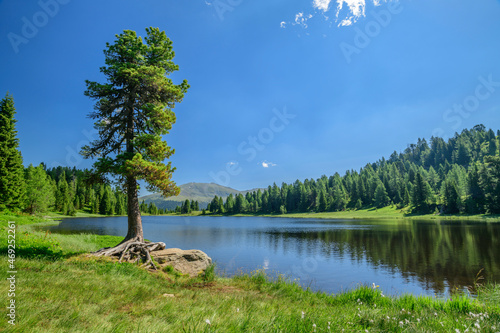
(76, 293)
(387, 213)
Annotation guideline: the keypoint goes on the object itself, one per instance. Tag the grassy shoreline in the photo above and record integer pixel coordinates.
(62, 290)
(386, 213)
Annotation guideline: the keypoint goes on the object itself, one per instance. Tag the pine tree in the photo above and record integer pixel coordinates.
(214, 205)
(492, 147)
(186, 207)
(381, 199)
(451, 198)
(12, 185)
(476, 198)
(421, 194)
(107, 204)
(120, 208)
(240, 204)
(64, 198)
(491, 182)
(152, 209)
(229, 205)
(39, 190)
(133, 110)
(322, 204)
(220, 206)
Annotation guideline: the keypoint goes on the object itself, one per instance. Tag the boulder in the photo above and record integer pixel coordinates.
(190, 262)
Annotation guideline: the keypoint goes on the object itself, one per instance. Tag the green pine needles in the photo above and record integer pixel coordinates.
(133, 111)
(12, 186)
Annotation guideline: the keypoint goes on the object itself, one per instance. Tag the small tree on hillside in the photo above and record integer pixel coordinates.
(133, 110)
(381, 199)
(420, 194)
(39, 190)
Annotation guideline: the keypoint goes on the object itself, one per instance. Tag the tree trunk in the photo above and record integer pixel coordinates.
(134, 214)
(133, 246)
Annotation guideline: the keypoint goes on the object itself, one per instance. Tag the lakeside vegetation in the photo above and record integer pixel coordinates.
(63, 290)
(458, 176)
(385, 213)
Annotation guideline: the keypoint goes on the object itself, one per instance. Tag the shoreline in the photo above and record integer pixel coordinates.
(385, 213)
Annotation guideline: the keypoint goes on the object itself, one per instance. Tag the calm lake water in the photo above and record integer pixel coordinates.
(420, 257)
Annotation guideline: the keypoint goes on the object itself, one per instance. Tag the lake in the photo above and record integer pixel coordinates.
(402, 256)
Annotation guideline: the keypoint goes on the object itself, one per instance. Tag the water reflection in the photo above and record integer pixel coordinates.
(401, 256)
(439, 254)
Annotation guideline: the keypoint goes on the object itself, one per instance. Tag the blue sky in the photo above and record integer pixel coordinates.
(280, 90)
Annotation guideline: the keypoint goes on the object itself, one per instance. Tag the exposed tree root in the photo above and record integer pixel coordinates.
(131, 250)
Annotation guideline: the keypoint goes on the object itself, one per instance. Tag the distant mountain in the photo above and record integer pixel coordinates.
(201, 192)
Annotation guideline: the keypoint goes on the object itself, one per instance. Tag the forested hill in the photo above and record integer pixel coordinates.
(460, 175)
(200, 192)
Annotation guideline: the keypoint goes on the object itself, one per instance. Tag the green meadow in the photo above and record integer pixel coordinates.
(60, 289)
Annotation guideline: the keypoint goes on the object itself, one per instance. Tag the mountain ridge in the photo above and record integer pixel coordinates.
(201, 192)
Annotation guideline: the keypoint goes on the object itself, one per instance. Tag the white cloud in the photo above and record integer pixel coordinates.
(283, 24)
(355, 7)
(266, 164)
(301, 19)
(347, 12)
(322, 4)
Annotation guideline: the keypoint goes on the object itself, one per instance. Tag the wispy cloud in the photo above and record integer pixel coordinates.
(355, 10)
(301, 19)
(347, 12)
(266, 164)
(322, 4)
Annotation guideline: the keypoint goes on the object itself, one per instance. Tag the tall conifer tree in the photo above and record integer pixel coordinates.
(12, 185)
(133, 110)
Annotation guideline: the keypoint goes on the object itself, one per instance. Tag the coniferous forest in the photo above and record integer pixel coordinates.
(37, 190)
(460, 175)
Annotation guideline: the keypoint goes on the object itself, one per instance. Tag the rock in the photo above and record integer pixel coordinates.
(190, 262)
